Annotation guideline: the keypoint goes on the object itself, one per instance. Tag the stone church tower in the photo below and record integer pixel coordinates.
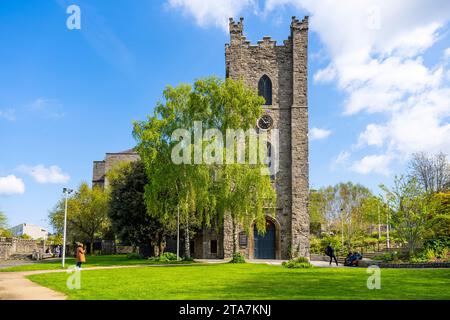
(279, 73)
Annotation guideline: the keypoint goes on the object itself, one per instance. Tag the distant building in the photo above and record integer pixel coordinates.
(33, 231)
(111, 159)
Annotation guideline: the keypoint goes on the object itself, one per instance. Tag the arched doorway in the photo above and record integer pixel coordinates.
(264, 246)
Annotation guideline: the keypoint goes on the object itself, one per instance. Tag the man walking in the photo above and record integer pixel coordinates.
(329, 251)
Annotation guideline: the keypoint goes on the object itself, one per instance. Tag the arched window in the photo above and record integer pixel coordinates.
(265, 89)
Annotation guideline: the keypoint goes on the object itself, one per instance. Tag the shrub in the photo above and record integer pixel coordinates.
(444, 253)
(134, 256)
(430, 254)
(297, 263)
(388, 257)
(238, 258)
(167, 256)
(418, 259)
(188, 259)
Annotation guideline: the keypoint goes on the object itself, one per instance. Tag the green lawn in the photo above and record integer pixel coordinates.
(250, 281)
(92, 261)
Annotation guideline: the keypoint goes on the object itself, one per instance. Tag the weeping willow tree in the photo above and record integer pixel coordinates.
(190, 173)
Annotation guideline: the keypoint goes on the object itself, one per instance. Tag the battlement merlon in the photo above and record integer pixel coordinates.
(236, 28)
(237, 37)
(297, 25)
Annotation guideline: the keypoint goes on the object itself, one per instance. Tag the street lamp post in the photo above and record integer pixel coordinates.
(178, 233)
(342, 229)
(66, 192)
(388, 241)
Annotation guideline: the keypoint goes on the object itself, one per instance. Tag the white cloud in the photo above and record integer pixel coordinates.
(46, 108)
(8, 114)
(341, 159)
(215, 13)
(376, 58)
(44, 175)
(11, 185)
(318, 134)
(372, 164)
(374, 135)
(376, 50)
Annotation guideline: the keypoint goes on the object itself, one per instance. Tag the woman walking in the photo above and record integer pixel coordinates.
(80, 255)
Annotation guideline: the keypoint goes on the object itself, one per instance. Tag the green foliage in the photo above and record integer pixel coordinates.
(6, 233)
(238, 258)
(134, 256)
(202, 193)
(55, 239)
(3, 221)
(345, 207)
(25, 237)
(87, 214)
(3, 225)
(168, 256)
(297, 263)
(127, 211)
(388, 257)
(410, 210)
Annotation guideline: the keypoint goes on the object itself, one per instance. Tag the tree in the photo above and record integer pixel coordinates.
(410, 210)
(4, 232)
(127, 211)
(87, 214)
(431, 172)
(439, 224)
(3, 220)
(202, 192)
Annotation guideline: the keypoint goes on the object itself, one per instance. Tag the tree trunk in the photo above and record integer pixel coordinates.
(187, 245)
(235, 249)
(162, 244)
(91, 245)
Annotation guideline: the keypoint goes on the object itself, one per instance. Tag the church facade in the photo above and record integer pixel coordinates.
(279, 73)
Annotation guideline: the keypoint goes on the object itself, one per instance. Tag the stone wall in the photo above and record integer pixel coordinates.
(9, 247)
(286, 66)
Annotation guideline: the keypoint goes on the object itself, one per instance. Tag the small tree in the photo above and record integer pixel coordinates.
(431, 171)
(3, 226)
(411, 209)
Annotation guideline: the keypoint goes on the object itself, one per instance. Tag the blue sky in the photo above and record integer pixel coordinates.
(378, 85)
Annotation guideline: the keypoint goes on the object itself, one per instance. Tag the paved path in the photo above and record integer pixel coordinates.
(15, 285)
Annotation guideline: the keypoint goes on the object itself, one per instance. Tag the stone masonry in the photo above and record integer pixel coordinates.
(286, 66)
(101, 168)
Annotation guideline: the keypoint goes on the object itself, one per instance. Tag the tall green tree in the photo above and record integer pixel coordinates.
(199, 191)
(87, 214)
(127, 210)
